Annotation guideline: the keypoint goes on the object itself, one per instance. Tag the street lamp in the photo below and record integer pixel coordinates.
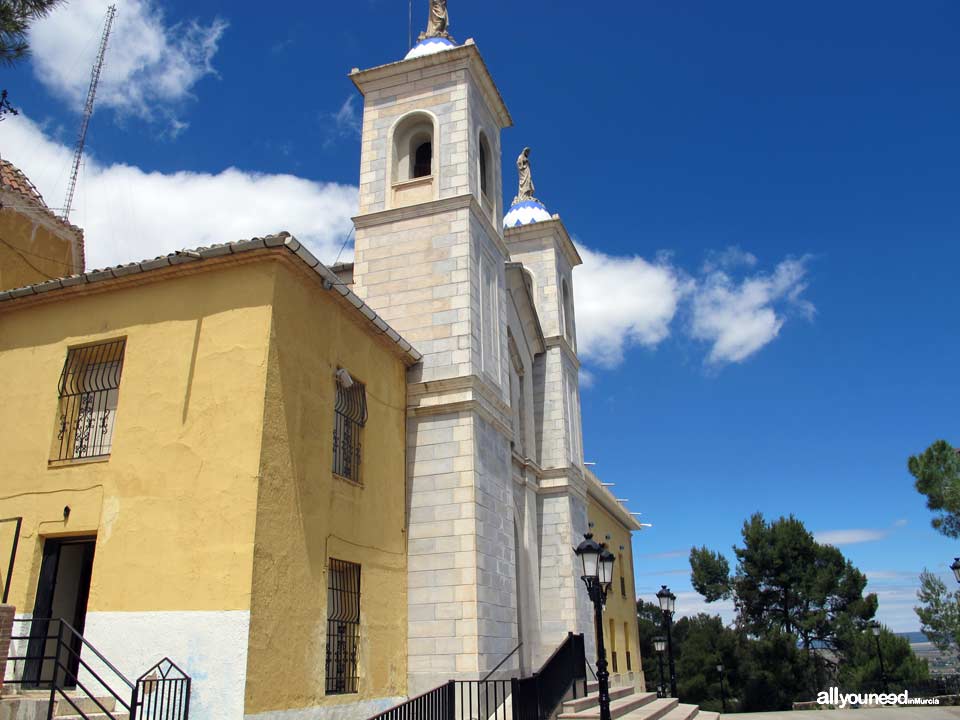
(597, 575)
(956, 568)
(668, 602)
(660, 644)
(723, 692)
(875, 629)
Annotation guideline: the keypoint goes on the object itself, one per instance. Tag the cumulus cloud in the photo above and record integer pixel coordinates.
(623, 301)
(151, 66)
(128, 214)
(739, 317)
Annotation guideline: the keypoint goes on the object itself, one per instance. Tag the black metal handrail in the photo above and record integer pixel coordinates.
(13, 553)
(436, 704)
(530, 698)
(499, 664)
(161, 692)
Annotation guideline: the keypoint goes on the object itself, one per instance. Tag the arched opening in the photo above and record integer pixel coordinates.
(566, 310)
(413, 148)
(423, 160)
(484, 162)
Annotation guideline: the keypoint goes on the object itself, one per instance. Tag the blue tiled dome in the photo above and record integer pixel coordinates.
(429, 46)
(525, 213)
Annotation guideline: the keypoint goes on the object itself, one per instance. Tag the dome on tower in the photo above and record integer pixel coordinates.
(429, 46)
(526, 212)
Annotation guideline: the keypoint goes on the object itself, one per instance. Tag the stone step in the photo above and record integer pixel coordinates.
(618, 708)
(654, 710)
(707, 715)
(581, 704)
(84, 704)
(683, 711)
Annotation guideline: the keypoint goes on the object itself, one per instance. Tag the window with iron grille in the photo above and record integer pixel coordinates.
(343, 626)
(613, 655)
(89, 389)
(629, 664)
(350, 415)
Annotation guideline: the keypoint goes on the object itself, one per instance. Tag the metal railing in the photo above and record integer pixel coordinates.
(436, 704)
(537, 696)
(61, 662)
(18, 522)
(162, 693)
(529, 698)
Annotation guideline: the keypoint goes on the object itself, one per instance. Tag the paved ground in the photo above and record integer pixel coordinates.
(912, 712)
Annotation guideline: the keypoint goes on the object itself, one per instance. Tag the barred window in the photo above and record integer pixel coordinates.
(629, 662)
(350, 416)
(89, 389)
(343, 626)
(613, 655)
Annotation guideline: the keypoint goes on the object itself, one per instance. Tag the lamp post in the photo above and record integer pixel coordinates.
(875, 629)
(660, 644)
(597, 576)
(956, 568)
(668, 602)
(723, 692)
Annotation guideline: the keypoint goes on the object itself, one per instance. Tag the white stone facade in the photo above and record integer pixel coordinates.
(495, 484)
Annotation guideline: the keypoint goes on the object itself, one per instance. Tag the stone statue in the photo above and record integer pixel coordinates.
(526, 180)
(438, 22)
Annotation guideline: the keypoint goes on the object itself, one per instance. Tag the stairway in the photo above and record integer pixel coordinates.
(33, 704)
(626, 702)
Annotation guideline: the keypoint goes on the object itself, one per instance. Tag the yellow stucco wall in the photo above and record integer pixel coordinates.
(174, 506)
(31, 253)
(307, 516)
(620, 614)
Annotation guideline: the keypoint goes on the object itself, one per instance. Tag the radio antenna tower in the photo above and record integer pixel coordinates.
(88, 111)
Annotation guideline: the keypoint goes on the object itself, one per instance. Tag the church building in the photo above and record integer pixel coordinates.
(321, 490)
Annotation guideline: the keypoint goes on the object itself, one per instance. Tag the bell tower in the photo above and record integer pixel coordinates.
(430, 258)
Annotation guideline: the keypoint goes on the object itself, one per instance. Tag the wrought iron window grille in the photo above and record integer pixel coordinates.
(343, 627)
(89, 390)
(350, 416)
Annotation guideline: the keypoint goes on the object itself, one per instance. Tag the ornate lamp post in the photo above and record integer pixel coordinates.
(875, 629)
(660, 645)
(956, 568)
(723, 691)
(668, 602)
(597, 576)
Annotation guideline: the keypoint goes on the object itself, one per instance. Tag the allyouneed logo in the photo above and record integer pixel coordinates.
(833, 696)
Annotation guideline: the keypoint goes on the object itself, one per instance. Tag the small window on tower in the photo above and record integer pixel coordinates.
(484, 162)
(423, 160)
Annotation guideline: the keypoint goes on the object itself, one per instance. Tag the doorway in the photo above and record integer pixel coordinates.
(63, 589)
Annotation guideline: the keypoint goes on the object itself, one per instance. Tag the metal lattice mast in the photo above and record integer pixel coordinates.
(88, 111)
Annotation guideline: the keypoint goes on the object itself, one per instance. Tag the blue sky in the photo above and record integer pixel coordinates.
(770, 191)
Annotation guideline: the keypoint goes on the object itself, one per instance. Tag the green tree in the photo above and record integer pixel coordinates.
(649, 626)
(937, 473)
(862, 671)
(701, 642)
(939, 612)
(786, 582)
(15, 19)
(775, 672)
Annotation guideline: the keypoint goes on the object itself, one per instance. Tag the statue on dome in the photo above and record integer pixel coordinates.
(438, 22)
(525, 193)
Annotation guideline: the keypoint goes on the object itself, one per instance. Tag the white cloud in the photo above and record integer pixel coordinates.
(739, 318)
(150, 69)
(849, 537)
(128, 214)
(621, 302)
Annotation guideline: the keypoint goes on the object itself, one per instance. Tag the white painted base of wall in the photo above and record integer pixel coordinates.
(211, 647)
(348, 711)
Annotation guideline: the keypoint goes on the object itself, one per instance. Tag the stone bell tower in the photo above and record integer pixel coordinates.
(430, 258)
